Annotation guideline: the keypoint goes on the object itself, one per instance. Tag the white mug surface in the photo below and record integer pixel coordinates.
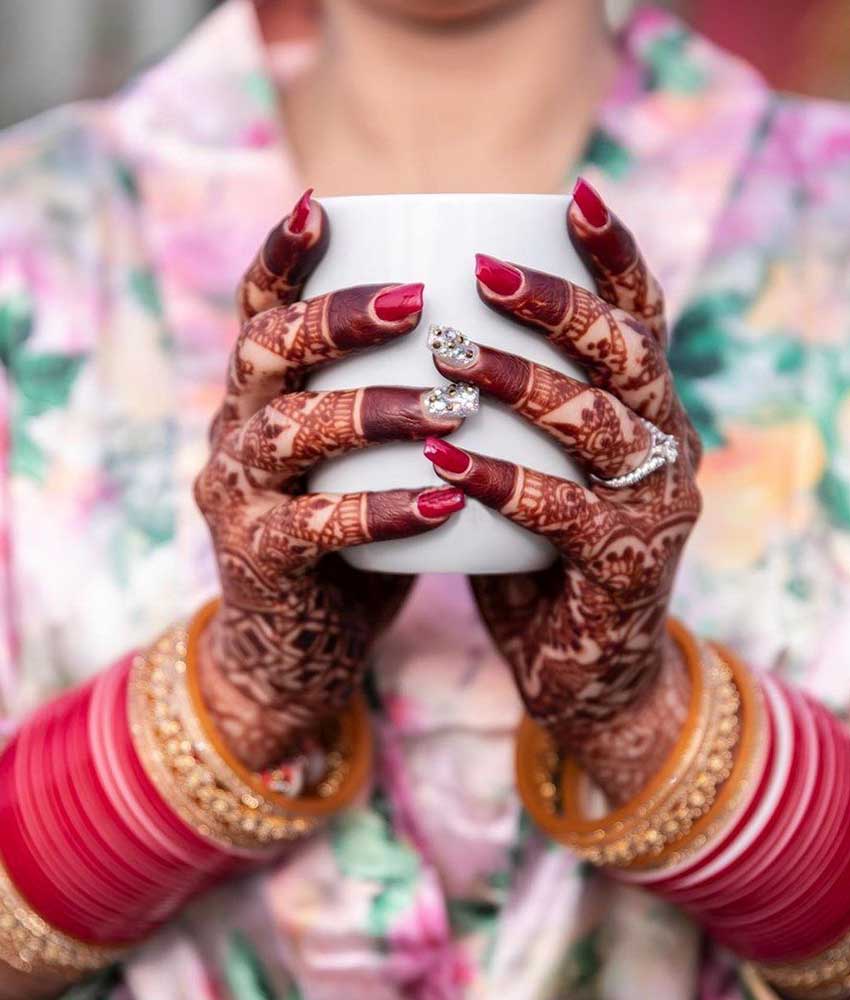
(377, 239)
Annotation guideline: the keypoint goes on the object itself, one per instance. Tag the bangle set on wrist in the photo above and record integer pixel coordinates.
(120, 802)
(194, 771)
(761, 856)
(666, 810)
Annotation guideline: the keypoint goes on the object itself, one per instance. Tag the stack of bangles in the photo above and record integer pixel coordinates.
(118, 802)
(745, 827)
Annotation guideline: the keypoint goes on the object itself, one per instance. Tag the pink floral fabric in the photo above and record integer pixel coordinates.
(124, 227)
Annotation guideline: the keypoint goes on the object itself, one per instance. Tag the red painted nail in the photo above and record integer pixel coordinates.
(400, 302)
(445, 455)
(498, 276)
(301, 213)
(591, 206)
(439, 503)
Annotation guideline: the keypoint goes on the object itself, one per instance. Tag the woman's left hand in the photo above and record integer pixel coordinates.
(587, 639)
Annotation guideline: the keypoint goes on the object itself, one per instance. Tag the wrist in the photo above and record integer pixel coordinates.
(622, 752)
(258, 733)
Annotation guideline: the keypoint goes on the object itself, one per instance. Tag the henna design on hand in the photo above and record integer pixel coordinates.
(586, 639)
(288, 644)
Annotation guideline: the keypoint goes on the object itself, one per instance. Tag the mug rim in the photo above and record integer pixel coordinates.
(446, 196)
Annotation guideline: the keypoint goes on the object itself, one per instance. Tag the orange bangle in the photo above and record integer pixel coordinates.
(355, 735)
(665, 810)
(201, 780)
(748, 764)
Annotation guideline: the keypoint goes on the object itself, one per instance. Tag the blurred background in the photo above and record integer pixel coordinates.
(52, 51)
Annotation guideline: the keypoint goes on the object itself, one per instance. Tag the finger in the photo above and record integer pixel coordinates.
(599, 431)
(304, 528)
(277, 348)
(291, 252)
(617, 352)
(610, 252)
(296, 430)
(570, 516)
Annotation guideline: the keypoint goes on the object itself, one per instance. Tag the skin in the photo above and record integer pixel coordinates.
(289, 643)
(586, 640)
(401, 98)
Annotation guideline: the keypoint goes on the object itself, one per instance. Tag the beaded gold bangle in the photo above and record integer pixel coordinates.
(666, 810)
(749, 762)
(825, 976)
(30, 945)
(201, 780)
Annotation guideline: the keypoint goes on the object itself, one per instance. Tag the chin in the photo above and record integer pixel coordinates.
(445, 12)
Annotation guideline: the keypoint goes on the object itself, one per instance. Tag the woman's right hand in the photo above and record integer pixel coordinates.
(288, 645)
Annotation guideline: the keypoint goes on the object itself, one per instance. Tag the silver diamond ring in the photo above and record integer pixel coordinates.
(663, 450)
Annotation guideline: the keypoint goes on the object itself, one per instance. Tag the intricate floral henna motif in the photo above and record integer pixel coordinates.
(586, 639)
(288, 644)
(610, 253)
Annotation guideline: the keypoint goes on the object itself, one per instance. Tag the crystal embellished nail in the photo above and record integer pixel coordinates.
(457, 399)
(452, 346)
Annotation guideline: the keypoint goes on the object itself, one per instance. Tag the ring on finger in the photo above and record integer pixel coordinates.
(663, 450)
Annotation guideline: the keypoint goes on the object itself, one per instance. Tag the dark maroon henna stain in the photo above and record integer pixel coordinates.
(611, 254)
(288, 257)
(288, 645)
(586, 639)
(592, 425)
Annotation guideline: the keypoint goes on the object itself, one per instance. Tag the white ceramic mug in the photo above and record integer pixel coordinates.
(433, 238)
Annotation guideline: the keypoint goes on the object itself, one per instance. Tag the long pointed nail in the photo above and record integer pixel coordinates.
(498, 276)
(457, 399)
(452, 347)
(301, 213)
(399, 302)
(591, 206)
(446, 456)
(440, 503)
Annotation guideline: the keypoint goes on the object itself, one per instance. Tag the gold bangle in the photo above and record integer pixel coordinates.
(666, 810)
(747, 768)
(825, 976)
(197, 776)
(32, 946)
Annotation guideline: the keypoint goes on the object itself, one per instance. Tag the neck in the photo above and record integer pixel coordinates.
(498, 103)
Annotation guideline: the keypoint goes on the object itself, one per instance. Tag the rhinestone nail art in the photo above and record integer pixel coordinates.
(457, 399)
(452, 346)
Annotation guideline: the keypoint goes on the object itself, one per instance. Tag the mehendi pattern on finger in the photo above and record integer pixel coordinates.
(585, 639)
(277, 274)
(622, 277)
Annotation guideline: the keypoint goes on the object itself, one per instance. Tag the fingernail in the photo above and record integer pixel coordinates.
(440, 502)
(445, 455)
(591, 206)
(457, 399)
(451, 346)
(400, 302)
(301, 213)
(498, 276)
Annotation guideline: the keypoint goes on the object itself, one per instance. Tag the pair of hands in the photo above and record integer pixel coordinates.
(586, 638)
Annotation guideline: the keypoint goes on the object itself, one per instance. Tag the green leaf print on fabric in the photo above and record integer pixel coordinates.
(15, 326)
(366, 848)
(42, 382)
(606, 153)
(671, 67)
(126, 179)
(102, 986)
(576, 977)
(834, 494)
(144, 290)
(244, 972)
(701, 347)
